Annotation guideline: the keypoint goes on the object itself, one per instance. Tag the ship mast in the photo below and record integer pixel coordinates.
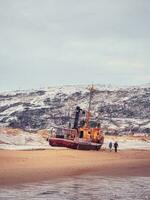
(88, 115)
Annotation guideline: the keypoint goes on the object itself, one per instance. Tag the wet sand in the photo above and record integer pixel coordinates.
(18, 167)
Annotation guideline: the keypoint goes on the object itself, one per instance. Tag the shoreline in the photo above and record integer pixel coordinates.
(19, 167)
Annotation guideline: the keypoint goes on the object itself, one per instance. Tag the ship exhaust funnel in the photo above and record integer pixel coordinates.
(77, 115)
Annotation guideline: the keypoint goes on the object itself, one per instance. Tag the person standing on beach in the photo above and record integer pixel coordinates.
(115, 146)
(110, 146)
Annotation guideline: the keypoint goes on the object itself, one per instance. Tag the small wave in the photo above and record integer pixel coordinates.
(84, 188)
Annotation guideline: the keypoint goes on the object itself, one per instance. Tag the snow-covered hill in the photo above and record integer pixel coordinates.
(120, 110)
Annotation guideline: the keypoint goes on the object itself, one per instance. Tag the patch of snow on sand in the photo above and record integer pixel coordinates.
(129, 144)
(20, 140)
(23, 141)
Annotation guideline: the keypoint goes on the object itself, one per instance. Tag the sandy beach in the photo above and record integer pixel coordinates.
(33, 166)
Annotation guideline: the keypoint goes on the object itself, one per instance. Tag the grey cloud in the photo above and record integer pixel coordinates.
(66, 41)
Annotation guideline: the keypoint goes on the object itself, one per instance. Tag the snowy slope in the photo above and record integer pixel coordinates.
(119, 109)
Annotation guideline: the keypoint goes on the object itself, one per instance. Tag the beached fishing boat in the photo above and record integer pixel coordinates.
(82, 136)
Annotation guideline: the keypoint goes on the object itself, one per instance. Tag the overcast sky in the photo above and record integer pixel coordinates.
(62, 42)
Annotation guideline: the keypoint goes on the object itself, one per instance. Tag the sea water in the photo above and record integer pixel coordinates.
(82, 187)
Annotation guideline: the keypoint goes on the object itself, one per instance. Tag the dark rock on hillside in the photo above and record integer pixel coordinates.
(121, 110)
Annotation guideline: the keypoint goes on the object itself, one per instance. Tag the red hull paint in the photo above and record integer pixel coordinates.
(63, 143)
(73, 144)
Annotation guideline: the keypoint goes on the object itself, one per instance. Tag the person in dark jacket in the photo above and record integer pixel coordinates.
(110, 146)
(116, 146)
